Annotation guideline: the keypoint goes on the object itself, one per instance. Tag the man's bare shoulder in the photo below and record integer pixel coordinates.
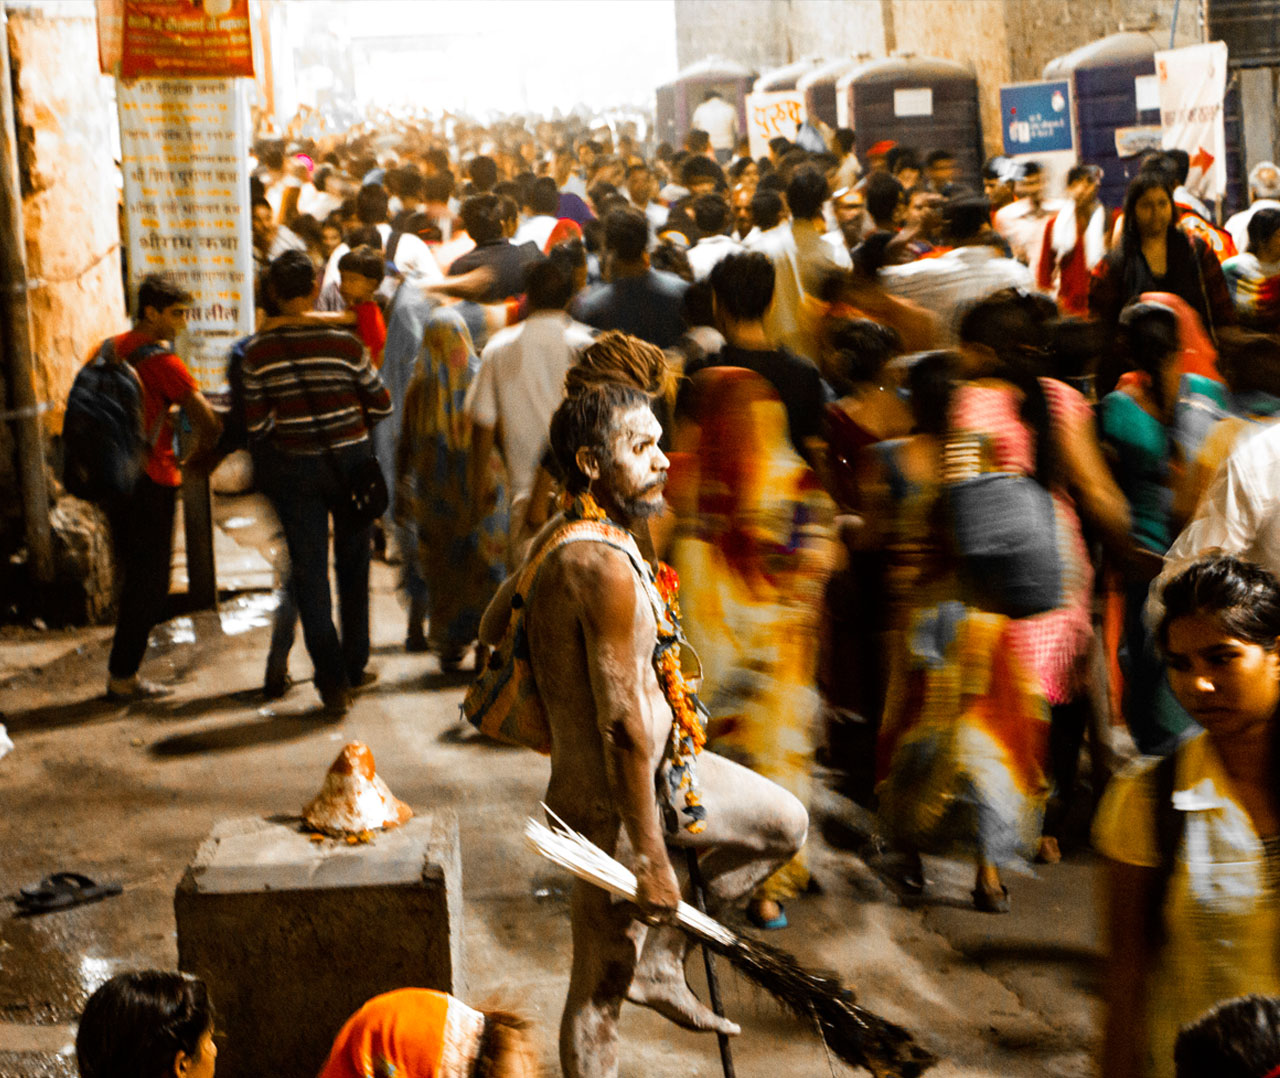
(597, 578)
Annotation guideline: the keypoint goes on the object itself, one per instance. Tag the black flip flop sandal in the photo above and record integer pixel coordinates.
(62, 891)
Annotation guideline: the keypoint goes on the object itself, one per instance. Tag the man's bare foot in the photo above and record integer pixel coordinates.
(672, 999)
(1048, 852)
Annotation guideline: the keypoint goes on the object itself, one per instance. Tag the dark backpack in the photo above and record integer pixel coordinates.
(104, 445)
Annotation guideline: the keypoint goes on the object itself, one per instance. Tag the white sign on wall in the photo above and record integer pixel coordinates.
(773, 115)
(186, 197)
(1193, 85)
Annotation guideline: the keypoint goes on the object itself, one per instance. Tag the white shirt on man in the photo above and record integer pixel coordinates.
(536, 230)
(708, 251)
(951, 283)
(1022, 224)
(520, 384)
(1240, 513)
(1238, 223)
(415, 262)
(782, 321)
(719, 120)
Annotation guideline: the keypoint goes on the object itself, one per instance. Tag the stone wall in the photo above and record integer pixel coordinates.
(1001, 40)
(830, 29)
(750, 33)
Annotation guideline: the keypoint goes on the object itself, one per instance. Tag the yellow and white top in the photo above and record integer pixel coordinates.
(1221, 911)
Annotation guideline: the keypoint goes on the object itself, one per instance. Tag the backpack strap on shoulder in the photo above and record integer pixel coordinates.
(577, 531)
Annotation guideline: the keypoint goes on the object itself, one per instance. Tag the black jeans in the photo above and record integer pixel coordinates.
(142, 531)
(305, 491)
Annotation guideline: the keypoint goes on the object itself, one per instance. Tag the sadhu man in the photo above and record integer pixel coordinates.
(625, 770)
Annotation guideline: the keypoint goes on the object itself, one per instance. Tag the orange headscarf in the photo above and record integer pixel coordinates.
(408, 1033)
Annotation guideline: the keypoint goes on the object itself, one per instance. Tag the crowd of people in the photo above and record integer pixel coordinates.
(925, 449)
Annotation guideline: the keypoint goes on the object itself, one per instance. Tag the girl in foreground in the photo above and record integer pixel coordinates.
(1193, 841)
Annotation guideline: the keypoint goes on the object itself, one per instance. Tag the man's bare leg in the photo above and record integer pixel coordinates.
(753, 827)
(606, 939)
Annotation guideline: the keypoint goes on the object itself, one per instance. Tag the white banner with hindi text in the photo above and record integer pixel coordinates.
(1193, 85)
(186, 197)
(772, 115)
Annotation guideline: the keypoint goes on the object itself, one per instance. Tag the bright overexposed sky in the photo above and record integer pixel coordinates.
(481, 55)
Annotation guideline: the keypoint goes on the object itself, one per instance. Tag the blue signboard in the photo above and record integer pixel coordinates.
(1035, 117)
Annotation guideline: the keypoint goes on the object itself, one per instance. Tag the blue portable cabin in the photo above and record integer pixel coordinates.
(785, 77)
(923, 102)
(819, 89)
(1103, 78)
(732, 80)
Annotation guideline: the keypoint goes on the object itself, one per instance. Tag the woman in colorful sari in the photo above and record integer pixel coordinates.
(461, 546)
(966, 730)
(753, 548)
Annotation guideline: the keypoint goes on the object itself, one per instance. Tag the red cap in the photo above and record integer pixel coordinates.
(881, 148)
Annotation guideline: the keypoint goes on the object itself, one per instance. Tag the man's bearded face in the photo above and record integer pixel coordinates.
(633, 468)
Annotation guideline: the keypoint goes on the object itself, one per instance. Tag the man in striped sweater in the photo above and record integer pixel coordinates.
(311, 398)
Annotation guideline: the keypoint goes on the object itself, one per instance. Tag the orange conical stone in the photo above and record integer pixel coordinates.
(353, 798)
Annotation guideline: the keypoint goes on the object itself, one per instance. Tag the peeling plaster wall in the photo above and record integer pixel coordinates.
(65, 115)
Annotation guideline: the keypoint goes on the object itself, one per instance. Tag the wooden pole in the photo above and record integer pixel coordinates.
(699, 889)
(18, 337)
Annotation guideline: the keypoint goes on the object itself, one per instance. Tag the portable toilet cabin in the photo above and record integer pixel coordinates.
(819, 89)
(728, 78)
(1113, 86)
(921, 102)
(783, 78)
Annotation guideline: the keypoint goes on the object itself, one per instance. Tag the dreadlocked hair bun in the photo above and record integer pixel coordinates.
(615, 356)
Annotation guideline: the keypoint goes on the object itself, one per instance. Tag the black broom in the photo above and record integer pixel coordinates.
(853, 1033)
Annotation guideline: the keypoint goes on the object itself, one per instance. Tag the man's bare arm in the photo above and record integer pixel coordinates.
(480, 474)
(206, 425)
(613, 620)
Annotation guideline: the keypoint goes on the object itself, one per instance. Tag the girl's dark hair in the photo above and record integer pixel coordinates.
(135, 1025)
(1236, 1039)
(1015, 326)
(1149, 334)
(1075, 347)
(861, 348)
(669, 258)
(1243, 596)
(1139, 186)
(1264, 224)
(1249, 361)
(870, 256)
(931, 380)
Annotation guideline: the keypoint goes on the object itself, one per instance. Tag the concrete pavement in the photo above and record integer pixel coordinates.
(127, 793)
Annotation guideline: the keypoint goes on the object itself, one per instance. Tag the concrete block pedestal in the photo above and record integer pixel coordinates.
(292, 936)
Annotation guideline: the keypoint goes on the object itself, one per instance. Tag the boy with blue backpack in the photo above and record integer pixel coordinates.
(119, 452)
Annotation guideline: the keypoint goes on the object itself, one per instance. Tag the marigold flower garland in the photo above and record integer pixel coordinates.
(688, 727)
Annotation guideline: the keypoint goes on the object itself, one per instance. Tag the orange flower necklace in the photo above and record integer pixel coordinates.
(689, 717)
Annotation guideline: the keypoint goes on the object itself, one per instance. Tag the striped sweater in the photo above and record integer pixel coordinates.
(311, 388)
